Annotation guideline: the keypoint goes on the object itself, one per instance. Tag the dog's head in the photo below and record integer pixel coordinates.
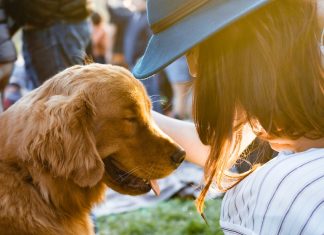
(92, 123)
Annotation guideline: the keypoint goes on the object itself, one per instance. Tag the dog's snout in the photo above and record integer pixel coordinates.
(178, 157)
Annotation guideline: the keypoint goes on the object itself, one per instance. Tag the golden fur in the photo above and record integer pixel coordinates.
(87, 127)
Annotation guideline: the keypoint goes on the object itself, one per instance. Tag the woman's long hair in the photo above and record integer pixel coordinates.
(265, 70)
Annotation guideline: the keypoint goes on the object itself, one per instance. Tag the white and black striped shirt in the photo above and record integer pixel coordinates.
(285, 196)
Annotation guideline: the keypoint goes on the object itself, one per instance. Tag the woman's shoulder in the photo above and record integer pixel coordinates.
(286, 194)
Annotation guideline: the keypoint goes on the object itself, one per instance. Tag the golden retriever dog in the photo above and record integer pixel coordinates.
(86, 128)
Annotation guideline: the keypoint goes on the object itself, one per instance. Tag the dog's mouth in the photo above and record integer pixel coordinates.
(126, 183)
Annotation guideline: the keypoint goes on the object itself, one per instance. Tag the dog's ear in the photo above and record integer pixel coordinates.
(63, 142)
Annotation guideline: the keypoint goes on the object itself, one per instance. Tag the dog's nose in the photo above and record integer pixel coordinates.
(178, 157)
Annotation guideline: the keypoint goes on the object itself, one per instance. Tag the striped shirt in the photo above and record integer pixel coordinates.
(284, 196)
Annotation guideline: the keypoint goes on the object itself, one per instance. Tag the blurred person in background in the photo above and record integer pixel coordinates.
(99, 39)
(136, 37)
(19, 84)
(180, 80)
(119, 18)
(12, 93)
(137, 33)
(7, 51)
(55, 34)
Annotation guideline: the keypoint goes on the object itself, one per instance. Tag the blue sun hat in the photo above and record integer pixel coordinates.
(178, 25)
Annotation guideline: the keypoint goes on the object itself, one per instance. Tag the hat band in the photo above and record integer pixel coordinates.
(177, 15)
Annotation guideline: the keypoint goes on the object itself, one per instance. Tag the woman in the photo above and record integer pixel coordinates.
(256, 63)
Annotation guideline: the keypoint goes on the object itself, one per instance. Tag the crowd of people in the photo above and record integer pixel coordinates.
(73, 32)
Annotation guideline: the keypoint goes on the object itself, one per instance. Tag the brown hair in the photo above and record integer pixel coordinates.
(96, 18)
(267, 67)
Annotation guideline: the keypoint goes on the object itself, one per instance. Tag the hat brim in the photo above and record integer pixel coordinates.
(168, 45)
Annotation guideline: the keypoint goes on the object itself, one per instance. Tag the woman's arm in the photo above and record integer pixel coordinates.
(185, 134)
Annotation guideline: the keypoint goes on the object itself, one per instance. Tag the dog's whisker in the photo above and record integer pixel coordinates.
(124, 176)
(132, 170)
(129, 173)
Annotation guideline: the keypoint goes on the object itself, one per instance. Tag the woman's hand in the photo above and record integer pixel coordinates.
(185, 134)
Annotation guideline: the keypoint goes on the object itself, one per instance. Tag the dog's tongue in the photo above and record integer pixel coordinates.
(155, 187)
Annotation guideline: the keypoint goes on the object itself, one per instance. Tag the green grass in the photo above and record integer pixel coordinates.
(173, 217)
